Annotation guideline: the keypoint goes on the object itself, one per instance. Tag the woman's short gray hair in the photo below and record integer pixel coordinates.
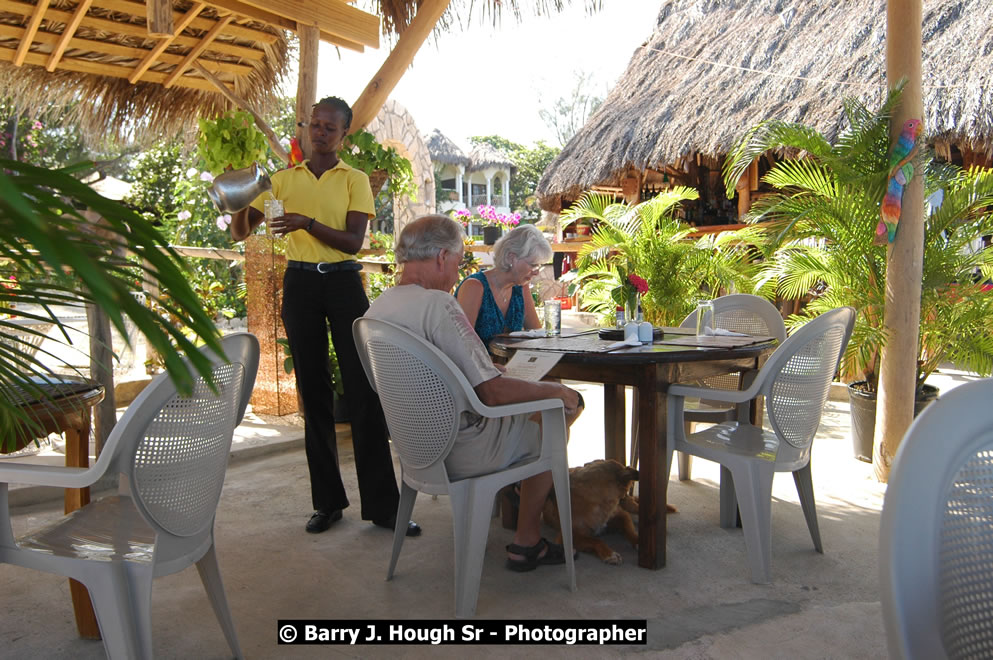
(426, 236)
(526, 242)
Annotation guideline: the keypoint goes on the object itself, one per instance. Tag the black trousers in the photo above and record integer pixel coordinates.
(311, 301)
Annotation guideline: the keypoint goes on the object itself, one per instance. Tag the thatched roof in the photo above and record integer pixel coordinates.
(111, 46)
(124, 75)
(484, 155)
(443, 150)
(712, 69)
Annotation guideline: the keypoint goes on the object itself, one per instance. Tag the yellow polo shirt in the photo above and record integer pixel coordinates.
(328, 199)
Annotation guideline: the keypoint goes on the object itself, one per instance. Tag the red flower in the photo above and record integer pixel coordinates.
(639, 283)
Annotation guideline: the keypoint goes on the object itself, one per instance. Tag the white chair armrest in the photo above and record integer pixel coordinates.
(730, 396)
(49, 475)
(516, 408)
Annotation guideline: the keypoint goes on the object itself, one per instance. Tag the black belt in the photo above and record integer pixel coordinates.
(325, 267)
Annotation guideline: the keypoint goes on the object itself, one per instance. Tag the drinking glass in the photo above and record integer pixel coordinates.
(273, 208)
(704, 317)
(553, 318)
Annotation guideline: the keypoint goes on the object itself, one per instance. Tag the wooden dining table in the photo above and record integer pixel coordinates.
(676, 356)
(65, 408)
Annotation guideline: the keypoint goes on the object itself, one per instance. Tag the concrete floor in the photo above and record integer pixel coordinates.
(701, 605)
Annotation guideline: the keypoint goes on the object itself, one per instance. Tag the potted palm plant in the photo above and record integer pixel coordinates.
(822, 217)
(648, 239)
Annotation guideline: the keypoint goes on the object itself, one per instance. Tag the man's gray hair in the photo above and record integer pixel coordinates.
(426, 236)
(526, 242)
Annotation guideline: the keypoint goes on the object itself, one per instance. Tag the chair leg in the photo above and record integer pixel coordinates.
(112, 605)
(753, 488)
(210, 575)
(685, 461)
(405, 508)
(805, 489)
(729, 502)
(560, 479)
(470, 509)
(140, 586)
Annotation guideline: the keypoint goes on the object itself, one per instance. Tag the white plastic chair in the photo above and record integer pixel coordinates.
(171, 453)
(795, 382)
(738, 312)
(424, 395)
(936, 534)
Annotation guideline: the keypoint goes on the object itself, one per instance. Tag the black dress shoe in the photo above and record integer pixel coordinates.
(413, 529)
(322, 520)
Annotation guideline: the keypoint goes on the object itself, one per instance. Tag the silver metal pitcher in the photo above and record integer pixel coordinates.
(233, 190)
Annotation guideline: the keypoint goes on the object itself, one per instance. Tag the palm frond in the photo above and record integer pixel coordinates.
(44, 237)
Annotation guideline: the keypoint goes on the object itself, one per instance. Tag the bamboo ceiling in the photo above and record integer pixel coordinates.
(122, 59)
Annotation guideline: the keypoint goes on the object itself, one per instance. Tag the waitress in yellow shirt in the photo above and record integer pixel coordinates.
(327, 205)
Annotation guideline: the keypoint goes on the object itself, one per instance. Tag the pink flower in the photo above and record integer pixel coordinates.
(639, 283)
(183, 215)
(223, 222)
(206, 176)
(36, 125)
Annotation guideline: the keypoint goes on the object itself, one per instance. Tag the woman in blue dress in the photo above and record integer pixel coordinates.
(498, 300)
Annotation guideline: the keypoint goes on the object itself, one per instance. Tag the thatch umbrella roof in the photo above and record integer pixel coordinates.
(710, 70)
(126, 75)
(484, 155)
(443, 150)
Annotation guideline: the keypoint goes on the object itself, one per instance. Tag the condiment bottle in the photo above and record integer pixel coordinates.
(645, 332)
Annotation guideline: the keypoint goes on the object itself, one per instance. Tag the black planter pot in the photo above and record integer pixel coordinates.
(490, 235)
(863, 409)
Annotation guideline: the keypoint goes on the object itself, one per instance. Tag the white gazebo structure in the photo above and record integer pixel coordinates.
(483, 177)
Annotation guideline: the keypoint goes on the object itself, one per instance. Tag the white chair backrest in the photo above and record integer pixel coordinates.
(422, 392)
(743, 312)
(936, 535)
(797, 377)
(174, 449)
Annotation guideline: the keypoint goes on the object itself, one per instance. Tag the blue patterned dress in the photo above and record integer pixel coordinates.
(491, 321)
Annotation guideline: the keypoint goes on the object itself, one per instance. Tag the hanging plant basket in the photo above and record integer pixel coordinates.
(377, 180)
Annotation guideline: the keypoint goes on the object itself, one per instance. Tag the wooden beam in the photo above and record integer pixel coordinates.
(158, 17)
(195, 52)
(901, 327)
(67, 34)
(130, 29)
(103, 69)
(30, 31)
(160, 47)
(278, 21)
(108, 48)
(306, 84)
(378, 90)
(235, 30)
(270, 135)
(331, 16)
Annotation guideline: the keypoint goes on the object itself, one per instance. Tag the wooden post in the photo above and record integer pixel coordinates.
(744, 195)
(365, 109)
(159, 16)
(898, 369)
(310, 37)
(102, 371)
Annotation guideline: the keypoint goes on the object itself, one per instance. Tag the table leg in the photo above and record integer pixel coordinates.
(613, 422)
(652, 481)
(78, 455)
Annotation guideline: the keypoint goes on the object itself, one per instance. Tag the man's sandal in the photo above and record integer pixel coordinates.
(555, 554)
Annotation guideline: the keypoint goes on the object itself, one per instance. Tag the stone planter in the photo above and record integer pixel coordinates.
(863, 410)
